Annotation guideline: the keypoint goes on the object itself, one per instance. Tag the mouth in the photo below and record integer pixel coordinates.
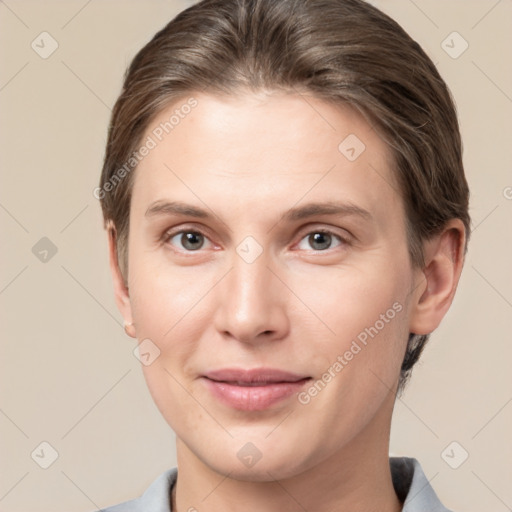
(253, 389)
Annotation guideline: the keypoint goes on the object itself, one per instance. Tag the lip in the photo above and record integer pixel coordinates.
(254, 389)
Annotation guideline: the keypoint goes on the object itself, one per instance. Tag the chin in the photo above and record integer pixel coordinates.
(251, 465)
(260, 472)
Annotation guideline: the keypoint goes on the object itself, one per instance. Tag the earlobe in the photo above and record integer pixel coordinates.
(129, 329)
(438, 280)
(121, 292)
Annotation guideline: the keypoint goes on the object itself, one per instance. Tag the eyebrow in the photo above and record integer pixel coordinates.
(327, 208)
(296, 213)
(175, 208)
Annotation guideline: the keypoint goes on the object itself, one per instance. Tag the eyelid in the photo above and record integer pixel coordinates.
(345, 237)
(172, 232)
(337, 243)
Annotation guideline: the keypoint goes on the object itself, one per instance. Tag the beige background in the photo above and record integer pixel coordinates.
(68, 373)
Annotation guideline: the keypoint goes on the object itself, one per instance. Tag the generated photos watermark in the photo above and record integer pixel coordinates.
(357, 345)
(150, 143)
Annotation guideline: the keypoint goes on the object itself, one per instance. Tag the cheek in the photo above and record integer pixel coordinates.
(357, 365)
(162, 295)
(362, 318)
(349, 299)
(165, 305)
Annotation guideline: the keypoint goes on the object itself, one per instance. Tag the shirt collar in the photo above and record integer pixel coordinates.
(409, 480)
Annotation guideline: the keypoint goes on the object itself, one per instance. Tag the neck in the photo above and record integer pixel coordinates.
(356, 478)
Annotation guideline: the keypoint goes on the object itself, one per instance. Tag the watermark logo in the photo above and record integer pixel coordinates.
(454, 455)
(44, 250)
(44, 45)
(351, 147)
(249, 454)
(44, 455)
(454, 45)
(146, 352)
(249, 249)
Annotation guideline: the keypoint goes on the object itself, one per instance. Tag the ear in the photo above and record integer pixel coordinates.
(437, 282)
(120, 288)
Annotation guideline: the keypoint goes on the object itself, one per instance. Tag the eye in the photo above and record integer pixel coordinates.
(320, 240)
(187, 240)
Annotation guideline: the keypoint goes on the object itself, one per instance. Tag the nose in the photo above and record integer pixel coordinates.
(252, 303)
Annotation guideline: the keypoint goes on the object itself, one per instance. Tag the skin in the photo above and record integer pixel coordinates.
(247, 160)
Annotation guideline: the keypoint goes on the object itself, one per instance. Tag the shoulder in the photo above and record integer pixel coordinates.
(156, 497)
(412, 486)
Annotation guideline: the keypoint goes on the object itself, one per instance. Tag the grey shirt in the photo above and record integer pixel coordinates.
(411, 486)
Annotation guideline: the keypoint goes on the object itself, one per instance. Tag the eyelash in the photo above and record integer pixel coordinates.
(168, 235)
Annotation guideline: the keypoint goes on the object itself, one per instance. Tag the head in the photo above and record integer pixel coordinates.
(246, 110)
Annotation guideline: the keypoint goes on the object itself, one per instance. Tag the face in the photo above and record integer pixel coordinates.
(268, 267)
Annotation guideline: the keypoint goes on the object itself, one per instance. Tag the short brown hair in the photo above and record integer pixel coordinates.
(342, 51)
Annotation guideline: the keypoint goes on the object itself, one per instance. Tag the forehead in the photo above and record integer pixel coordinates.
(274, 148)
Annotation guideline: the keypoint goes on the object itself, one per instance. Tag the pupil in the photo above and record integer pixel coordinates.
(322, 239)
(192, 241)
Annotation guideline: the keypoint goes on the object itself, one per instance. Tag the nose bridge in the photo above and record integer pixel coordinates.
(249, 280)
(251, 302)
